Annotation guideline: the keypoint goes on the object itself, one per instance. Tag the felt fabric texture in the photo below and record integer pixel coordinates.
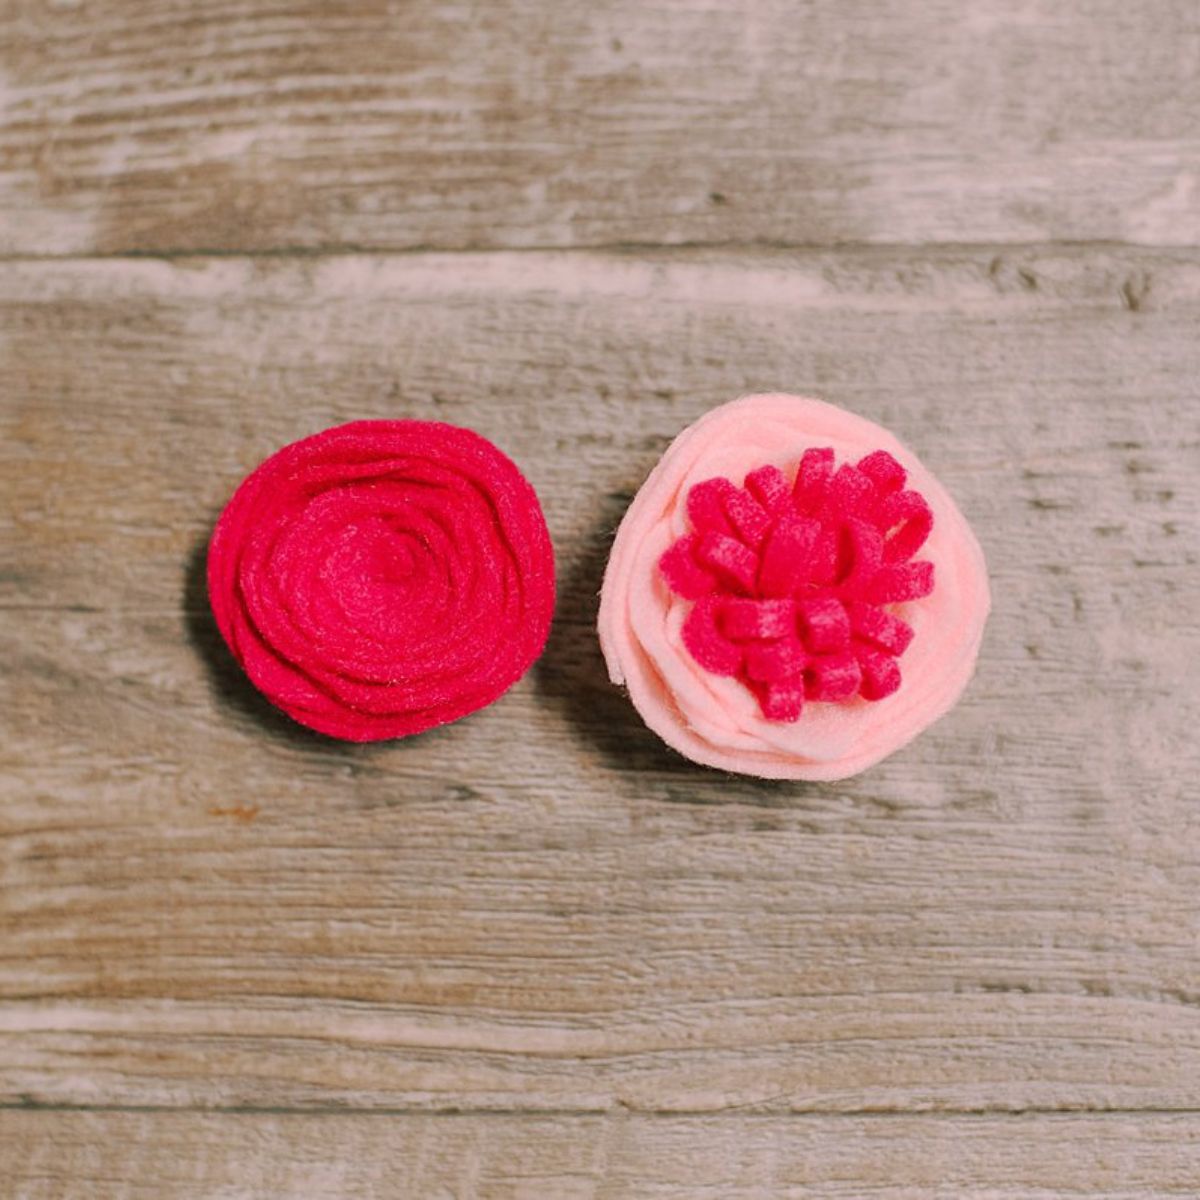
(383, 577)
(790, 581)
(649, 633)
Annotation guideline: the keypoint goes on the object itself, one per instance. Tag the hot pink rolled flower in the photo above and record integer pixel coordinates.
(791, 593)
(383, 577)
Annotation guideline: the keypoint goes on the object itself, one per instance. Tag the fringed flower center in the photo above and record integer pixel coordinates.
(793, 582)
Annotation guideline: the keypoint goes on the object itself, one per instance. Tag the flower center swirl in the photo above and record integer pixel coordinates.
(792, 583)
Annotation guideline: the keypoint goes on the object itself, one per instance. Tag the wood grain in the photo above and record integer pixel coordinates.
(536, 954)
(288, 1157)
(272, 125)
(541, 908)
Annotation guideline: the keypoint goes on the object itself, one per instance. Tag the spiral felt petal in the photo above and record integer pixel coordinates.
(869, 706)
(383, 577)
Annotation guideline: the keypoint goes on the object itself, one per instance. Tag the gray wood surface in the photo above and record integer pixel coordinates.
(166, 125)
(296, 1156)
(542, 907)
(536, 954)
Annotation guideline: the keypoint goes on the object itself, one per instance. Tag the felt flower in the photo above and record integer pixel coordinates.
(383, 577)
(791, 593)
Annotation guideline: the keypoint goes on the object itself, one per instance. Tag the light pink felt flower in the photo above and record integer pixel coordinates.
(791, 593)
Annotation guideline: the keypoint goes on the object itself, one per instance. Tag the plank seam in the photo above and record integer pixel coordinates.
(353, 250)
(882, 1114)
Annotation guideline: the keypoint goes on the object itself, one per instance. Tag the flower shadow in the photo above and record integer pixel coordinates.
(573, 675)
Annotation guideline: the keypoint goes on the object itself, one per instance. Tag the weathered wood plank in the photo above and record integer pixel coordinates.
(163, 125)
(541, 907)
(115, 1156)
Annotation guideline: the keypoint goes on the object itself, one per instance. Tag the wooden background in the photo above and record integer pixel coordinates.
(535, 954)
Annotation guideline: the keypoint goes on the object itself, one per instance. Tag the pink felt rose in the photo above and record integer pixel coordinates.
(383, 577)
(791, 593)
